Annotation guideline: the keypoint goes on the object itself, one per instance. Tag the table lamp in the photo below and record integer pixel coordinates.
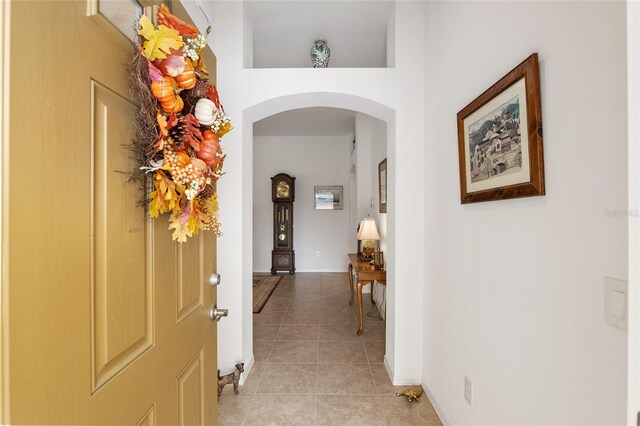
(368, 235)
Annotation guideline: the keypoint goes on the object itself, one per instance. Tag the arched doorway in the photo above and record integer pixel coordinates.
(308, 100)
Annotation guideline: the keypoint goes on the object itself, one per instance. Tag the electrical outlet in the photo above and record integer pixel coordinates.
(468, 390)
(317, 254)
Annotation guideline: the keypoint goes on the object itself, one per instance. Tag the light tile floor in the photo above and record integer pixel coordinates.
(311, 368)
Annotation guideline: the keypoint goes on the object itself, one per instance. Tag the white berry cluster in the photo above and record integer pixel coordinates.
(192, 46)
(194, 189)
(220, 119)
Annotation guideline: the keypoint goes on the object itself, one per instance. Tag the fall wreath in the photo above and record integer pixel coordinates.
(179, 123)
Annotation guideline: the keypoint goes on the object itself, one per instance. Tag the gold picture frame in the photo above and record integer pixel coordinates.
(328, 197)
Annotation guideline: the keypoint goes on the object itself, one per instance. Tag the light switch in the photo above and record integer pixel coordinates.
(618, 300)
(615, 302)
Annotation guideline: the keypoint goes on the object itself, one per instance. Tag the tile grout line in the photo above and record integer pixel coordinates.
(315, 414)
(277, 334)
(375, 385)
(315, 408)
(323, 394)
(294, 302)
(246, 415)
(261, 377)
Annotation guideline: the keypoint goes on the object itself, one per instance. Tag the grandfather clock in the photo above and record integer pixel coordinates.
(283, 258)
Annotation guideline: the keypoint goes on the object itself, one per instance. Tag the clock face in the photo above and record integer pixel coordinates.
(282, 189)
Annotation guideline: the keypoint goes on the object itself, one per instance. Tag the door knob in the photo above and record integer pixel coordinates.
(216, 314)
(214, 280)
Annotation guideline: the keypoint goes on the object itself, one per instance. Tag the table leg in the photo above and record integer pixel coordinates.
(373, 302)
(360, 285)
(350, 271)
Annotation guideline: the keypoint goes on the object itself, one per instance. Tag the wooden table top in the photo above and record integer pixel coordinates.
(365, 270)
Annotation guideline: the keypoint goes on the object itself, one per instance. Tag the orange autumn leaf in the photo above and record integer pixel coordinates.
(159, 145)
(166, 18)
(162, 123)
(200, 69)
(192, 133)
(212, 94)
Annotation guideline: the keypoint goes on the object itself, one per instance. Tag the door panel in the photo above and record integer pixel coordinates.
(122, 314)
(190, 291)
(191, 393)
(148, 419)
(107, 316)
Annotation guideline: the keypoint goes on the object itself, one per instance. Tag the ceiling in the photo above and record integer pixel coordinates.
(317, 121)
(284, 31)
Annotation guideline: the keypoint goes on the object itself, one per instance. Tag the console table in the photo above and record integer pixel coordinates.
(365, 274)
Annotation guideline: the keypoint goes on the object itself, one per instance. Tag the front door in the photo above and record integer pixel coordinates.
(105, 317)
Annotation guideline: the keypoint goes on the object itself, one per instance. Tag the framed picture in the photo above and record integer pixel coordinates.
(500, 139)
(328, 197)
(382, 185)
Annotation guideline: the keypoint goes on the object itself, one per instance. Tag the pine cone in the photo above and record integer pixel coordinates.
(191, 96)
(207, 192)
(177, 134)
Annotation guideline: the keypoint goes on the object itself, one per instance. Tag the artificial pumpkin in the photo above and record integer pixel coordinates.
(173, 107)
(173, 65)
(165, 91)
(200, 168)
(183, 159)
(205, 112)
(210, 150)
(186, 79)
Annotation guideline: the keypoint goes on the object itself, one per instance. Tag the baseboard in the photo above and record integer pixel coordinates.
(435, 405)
(388, 367)
(399, 381)
(365, 290)
(248, 365)
(306, 271)
(405, 381)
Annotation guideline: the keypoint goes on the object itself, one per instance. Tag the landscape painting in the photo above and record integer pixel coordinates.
(495, 142)
(500, 152)
(328, 197)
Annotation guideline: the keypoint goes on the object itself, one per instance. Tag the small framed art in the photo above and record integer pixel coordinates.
(382, 186)
(328, 197)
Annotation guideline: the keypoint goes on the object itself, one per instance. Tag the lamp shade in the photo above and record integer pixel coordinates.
(368, 230)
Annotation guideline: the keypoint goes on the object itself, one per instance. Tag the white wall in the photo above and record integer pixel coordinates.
(364, 152)
(379, 153)
(514, 289)
(312, 160)
(371, 148)
(633, 102)
(387, 93)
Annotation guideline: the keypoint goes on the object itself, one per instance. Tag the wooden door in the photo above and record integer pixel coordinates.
(106, 319)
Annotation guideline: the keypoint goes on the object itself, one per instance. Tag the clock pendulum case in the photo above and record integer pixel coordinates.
(283, 257)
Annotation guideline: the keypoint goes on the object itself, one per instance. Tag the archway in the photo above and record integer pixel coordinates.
(277, 105)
